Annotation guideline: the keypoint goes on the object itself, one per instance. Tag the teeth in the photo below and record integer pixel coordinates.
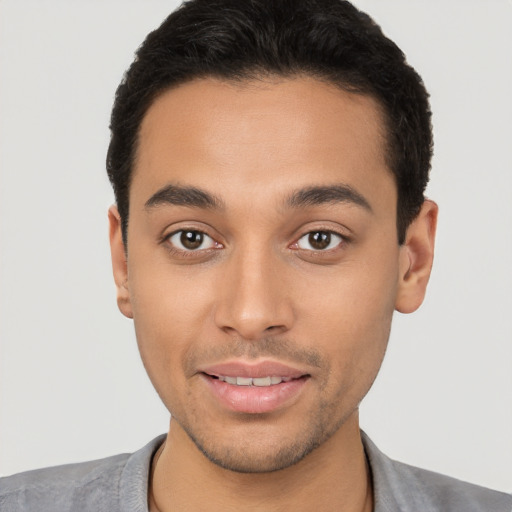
(256, 381)
(243, 381)
(264, 381)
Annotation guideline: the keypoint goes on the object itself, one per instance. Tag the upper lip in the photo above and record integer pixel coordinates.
(255, 370)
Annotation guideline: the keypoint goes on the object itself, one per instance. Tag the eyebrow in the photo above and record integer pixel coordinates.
(178, 195)
(195, 197)
(329, 194)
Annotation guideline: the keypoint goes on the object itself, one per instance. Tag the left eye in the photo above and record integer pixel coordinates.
(319, 241)
(191, 240)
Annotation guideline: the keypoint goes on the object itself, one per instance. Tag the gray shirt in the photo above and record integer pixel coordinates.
(120, 483)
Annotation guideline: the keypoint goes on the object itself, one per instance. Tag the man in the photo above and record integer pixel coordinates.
(269, 161)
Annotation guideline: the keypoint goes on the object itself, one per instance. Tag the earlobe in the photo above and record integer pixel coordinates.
(416, 258)
(119, 263)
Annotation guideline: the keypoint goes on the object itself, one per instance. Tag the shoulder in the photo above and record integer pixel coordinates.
(444, 493)
(405, 488)
(64, 487)
(99, 485)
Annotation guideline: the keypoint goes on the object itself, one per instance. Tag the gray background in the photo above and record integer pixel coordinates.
(71, 384)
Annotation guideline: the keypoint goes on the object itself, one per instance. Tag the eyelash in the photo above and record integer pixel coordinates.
(194, 253)
(190, 252)
(328, 234)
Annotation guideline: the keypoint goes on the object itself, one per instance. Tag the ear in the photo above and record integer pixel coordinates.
(416, 257)
(119, 263)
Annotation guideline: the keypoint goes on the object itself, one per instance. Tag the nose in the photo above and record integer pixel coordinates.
(253, 300)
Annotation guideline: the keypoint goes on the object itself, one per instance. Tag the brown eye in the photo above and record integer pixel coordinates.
(319, 240)
(191, 240)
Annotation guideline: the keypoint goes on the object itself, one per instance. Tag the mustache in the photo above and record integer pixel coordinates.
(270, 347)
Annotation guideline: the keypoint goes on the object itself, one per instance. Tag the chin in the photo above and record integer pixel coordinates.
(256, 458)
(260, 450)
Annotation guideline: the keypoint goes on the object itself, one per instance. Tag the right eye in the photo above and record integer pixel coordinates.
(189, 240)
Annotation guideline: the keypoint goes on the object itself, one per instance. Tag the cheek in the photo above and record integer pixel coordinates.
(350, 320)
(171, 312)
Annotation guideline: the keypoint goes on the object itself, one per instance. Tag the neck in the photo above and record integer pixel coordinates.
(335, 476)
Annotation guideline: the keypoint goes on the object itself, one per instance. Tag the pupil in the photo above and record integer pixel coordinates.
(320, 239)
(191, 239)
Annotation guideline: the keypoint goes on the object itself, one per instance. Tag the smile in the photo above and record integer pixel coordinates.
(253, 381)
(251, 387)
(255, 395)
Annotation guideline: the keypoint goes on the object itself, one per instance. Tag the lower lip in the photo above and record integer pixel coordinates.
(255, 399)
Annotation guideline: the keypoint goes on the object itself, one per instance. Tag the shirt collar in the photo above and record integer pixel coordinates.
(392, 489)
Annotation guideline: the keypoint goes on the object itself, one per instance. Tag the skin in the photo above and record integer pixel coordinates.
(258, 289)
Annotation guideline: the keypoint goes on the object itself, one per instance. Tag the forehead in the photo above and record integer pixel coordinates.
(268, 134)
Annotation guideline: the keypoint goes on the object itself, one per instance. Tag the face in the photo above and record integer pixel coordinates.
(263, 265)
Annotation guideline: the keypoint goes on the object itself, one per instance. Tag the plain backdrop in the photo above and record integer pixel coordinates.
(72, 387)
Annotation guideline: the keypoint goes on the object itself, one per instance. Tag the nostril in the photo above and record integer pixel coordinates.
(274, 328)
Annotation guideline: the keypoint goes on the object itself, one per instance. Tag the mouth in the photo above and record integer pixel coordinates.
(252, 381)
(254, 389)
